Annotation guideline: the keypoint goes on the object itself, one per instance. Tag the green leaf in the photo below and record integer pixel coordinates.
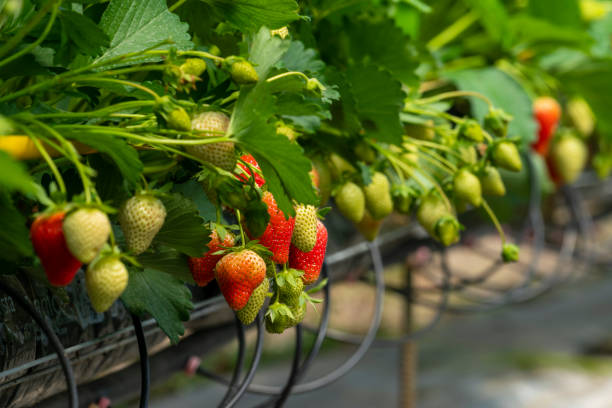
(194, 191)
(384, 44)
(122, 154)
(14, 235)
(13, 175)
(379, 100)
(265, 51)
(250, 15)
(299, 58)
(162, 296)
(136, 25)
(283, 164)
(183, 228)
(84, 33)
(565, 13)
(504, 92)
(167, 260)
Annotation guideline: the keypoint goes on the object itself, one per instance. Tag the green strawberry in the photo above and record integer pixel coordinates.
(243, 73)
(569, 156)
(437, 219)
(290, 286)
(467, 152)
(447, 230)
(471, 130)
(506, 155)
(491, 182)
(86, 231)
(510, 253)
(193, 66)
(364, 152)
(497, 122)
(402, 198)
(279, 317)
(421, 131)
(351, 201)
(213, 124)
(248, 313)
(141, 217)
(305, 231)
(369, 227)
(179, 119)
(339, 166)
(105, 281)
(378, 197)
(467, 187)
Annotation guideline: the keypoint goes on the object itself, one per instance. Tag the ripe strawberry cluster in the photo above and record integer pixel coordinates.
(246, 275)
(66, 237)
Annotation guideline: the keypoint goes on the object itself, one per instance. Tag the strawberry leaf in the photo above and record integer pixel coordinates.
(13, 175)
(379, 99)
(14, 235)
(266, 51)
(184, 229)
(283, 164)
(136, 25)
(162, 296)
(250, 15)
(167, 260)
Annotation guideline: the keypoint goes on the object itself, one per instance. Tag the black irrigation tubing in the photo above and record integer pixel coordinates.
(145, 373)
(239, 363)
(53, 339)
(295, 367)
(340, 371)
(254, 363)
(297, 372)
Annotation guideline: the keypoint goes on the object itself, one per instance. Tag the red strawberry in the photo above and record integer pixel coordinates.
(277, 236)
(238, 275)
(547, 113)
(244, 177)
(203, 268)
(310, 262)
(47, 236)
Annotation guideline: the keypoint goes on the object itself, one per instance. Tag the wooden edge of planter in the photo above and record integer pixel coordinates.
(21, 147)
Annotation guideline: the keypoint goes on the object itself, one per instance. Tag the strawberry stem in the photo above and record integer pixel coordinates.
(451, 95)
(495, 221)
(47, 158)
(239, 219)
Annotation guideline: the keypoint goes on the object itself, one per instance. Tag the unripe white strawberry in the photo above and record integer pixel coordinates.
(213, 124)
(305, 231)
(105, 281)
(141, 217)
(86, 231)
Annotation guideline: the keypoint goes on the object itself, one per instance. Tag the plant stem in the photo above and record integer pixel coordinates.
(452, 31)
(47, 158)
(96, 113)
(201, 54)
(117, 81)
(40, 39)
(72, 154)
(286, 74)
(176, 5)
(452, 95)
(495, 221)
(239, 219)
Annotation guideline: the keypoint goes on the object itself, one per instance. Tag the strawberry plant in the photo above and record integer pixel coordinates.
(164, 143)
